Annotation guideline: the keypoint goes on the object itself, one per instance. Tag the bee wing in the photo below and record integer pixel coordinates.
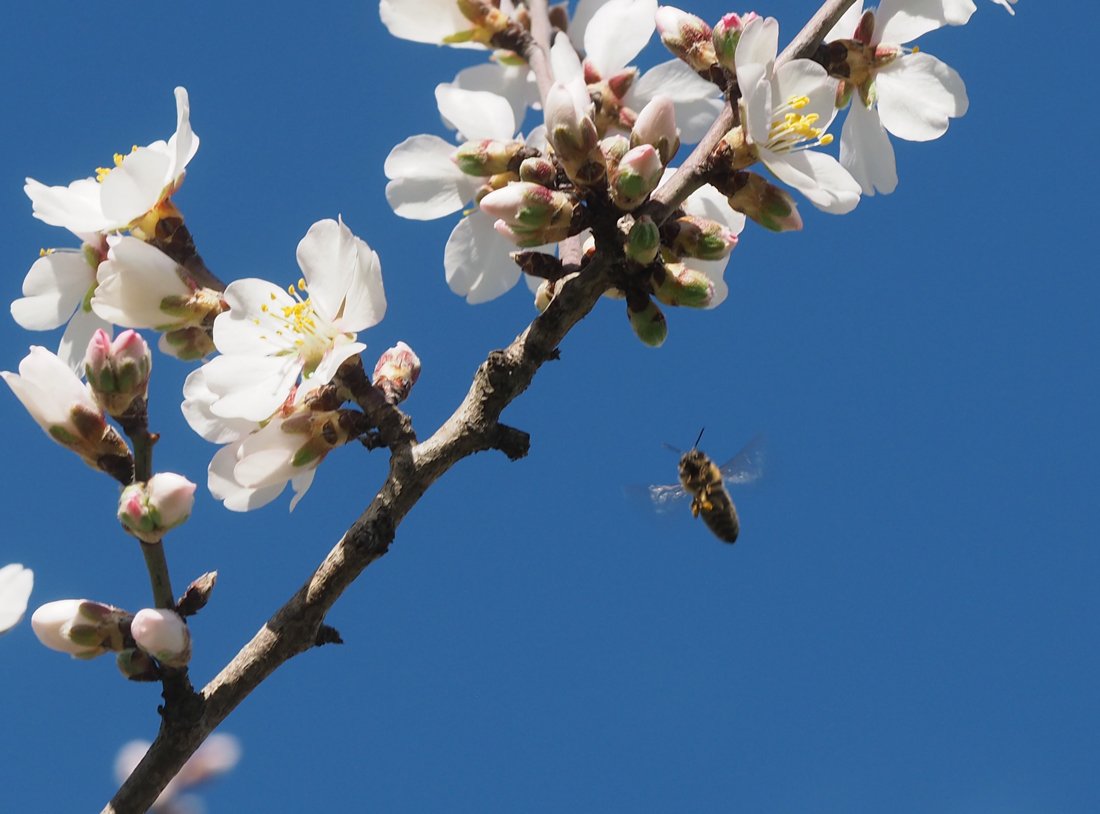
(660, 498)
(747, 465)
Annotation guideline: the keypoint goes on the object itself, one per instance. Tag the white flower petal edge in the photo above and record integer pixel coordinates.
(918, 96)
(866, 152)
(16, 584)
(617, 32)
(475, 114)
(477, 262)
(429, 21)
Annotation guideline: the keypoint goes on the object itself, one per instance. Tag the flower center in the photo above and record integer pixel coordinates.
(103, 172)
(790, 130)
(310, 334)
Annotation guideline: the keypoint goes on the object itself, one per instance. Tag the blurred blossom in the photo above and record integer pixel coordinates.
(218, 754)
(16, 583)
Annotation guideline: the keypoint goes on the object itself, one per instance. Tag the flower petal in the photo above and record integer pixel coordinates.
(866, 152)
(237, 498)
(758, 45)
(917, 95)
(343, 275)
(846, 26)
(75, 207)
(251, 387)
(53, 288)
(675, 80)
(477, 260)
(425, 183)
(475, 114)
(818, 176)
(801, 77)
(74, 342)
(428, 21)
(900, 21)
(617, 33)
(16, 584)
(515, 83)
(133, 188)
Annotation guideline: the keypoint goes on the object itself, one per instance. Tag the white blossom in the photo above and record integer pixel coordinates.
(907, 92)
(122, 194)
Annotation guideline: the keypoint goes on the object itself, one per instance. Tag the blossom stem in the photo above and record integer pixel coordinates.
(538, 51)
(135, 423)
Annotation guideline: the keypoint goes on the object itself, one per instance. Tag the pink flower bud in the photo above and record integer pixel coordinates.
(118, 371)
(150, 510)
(396, 372)
(726, 35)
(656, 125)
(637, 175)
(79, 627)
(529, 214)
(687, 37)
(163, 635)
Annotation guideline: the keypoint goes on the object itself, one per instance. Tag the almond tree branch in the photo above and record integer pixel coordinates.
(298, 625)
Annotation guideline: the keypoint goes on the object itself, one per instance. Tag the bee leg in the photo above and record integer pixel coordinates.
(696, 504)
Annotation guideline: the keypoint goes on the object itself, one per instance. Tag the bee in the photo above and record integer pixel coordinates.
(706, 482)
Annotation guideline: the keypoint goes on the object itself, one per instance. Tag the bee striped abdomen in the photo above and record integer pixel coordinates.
(709, 498)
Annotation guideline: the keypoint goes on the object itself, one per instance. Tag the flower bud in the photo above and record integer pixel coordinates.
(118, 371)
(569, 128)
(643, 241)
(687, 37)
(187, 344)
(637, 175)
(152, 509)
(137, 665)
(396, 372)
(63, 407)
(702, 238)
(163, 635)
(656, 125)
(760, 201)
(80, 627)
(680, 286)
(648, 323)
(538, 170)
(726, 35)
(529, 214)
(486, 157)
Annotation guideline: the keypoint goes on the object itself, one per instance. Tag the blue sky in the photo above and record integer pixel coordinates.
(909, 620)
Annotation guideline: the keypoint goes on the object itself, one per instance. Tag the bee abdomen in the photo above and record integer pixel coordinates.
(721, 516)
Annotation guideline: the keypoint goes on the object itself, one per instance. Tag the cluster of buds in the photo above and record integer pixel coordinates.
(85, 629)
(708, 51)
(117, 372)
